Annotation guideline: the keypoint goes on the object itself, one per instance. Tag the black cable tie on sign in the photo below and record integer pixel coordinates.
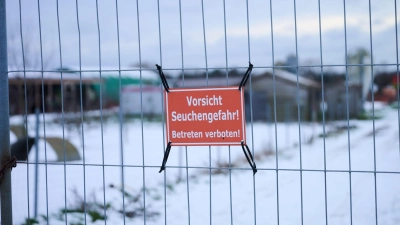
(246, 76)
(162, 76)
(166, 154)
(249, 158)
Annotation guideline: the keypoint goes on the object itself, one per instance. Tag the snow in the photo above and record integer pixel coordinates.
(55, 76)
(294, 78)
(369, 106)
(90, 73)
(211, 198)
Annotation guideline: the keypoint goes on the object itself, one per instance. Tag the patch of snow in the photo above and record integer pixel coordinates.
(223, 197)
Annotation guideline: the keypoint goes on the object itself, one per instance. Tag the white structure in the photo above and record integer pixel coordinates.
(150, 97)
(361, 74)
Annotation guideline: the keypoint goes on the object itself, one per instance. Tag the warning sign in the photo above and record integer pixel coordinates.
(205, 116)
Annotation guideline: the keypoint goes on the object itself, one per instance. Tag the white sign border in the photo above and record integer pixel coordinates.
(206, 89)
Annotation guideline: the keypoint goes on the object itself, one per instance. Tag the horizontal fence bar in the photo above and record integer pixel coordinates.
(213, 168)
(207, 68)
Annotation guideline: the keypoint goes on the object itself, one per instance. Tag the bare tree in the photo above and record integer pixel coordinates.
(25, 54)
(25, 50)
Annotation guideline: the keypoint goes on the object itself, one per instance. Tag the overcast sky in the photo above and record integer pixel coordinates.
(240, 31)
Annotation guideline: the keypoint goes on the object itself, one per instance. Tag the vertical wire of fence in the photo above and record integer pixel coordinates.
(183, 85)
(275, 115)
(373, 109)
(323, 109)
(227, 84)
(347, 112)
(235, 172)
(62, 108)
(163, 112)
(206, 64)
(44, 117)
(397, 64)
(120, 116)
(251, 109)
(25, 97)
(81, 112)
(298, 112)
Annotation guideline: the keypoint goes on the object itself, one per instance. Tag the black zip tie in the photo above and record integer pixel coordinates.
(246, 76)
(249, 158)
(162, 76)
(166, 154)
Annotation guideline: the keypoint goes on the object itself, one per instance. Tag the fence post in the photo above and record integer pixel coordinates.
(5, 154)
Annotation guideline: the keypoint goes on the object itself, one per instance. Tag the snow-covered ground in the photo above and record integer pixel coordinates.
(288, 195)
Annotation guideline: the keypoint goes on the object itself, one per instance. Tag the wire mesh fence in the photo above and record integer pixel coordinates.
(85, 113)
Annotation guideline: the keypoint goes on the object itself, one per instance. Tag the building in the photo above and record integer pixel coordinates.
(146, 99)
(64, 90)
(263, 92)
(53, 91)
(336, 97)
(288, 91)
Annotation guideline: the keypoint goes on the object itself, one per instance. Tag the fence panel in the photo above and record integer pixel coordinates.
(83, 108)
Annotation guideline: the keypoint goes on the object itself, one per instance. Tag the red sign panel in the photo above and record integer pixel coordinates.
(205, 116)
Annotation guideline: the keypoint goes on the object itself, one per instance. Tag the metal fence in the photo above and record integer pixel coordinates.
(326, 151)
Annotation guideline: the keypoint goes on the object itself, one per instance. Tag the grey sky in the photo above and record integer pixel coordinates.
(332, 26)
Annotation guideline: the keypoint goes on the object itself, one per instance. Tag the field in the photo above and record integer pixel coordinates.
(190, 191)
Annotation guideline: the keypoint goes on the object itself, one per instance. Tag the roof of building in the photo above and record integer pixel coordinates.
(193, 81)
(86, 75)
(288, 77)
(235, 80)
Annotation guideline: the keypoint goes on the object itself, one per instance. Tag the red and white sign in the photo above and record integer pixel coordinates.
(205, 116)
